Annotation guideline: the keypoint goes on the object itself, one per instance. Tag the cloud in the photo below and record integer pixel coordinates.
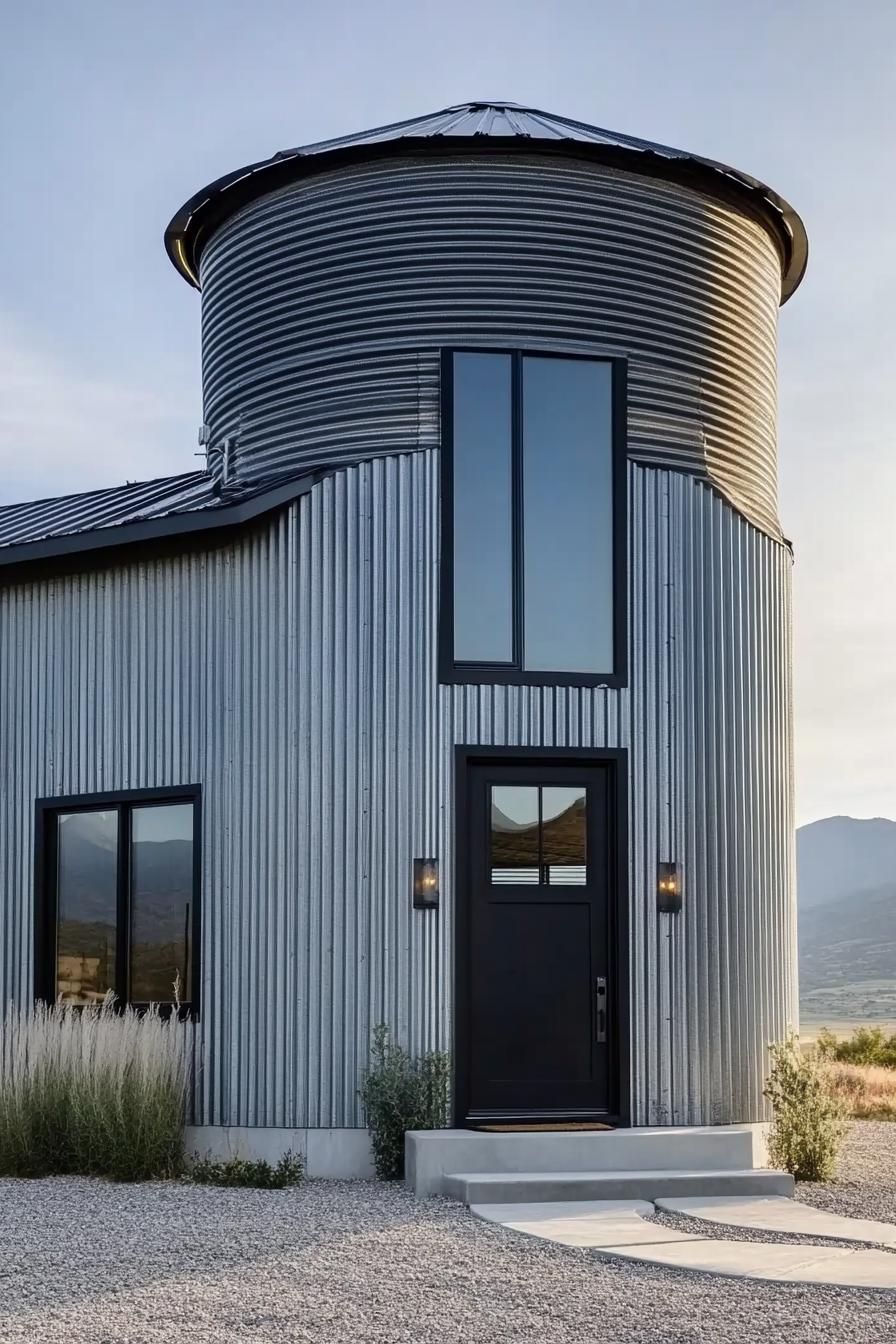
(63, 429)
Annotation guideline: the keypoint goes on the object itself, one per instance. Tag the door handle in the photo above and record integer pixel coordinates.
(600, 1009)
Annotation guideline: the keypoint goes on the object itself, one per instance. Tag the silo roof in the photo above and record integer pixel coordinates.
(486, 126)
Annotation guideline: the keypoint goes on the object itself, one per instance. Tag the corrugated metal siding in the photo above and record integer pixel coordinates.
(707, 723)
(324, 307)
(289, 674)
(293, 674)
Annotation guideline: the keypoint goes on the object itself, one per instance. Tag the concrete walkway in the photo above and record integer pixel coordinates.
(618, 1228)
(775, 1214)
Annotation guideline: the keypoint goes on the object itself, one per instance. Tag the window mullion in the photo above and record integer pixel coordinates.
(122, 931)
(516, 458)
(49, 952)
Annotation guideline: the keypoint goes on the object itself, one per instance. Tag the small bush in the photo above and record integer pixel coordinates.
(93, 1092)
(808, 1120)
(398, 1094)
(867, 1045)
(240, 1171)
(826, 1044)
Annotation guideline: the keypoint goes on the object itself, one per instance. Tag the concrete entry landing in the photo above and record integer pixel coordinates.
(620, 1229)
(434, 1157)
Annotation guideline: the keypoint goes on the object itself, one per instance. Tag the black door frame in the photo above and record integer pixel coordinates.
(616, 758)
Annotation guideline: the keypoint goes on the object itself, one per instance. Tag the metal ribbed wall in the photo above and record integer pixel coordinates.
(293, 674)
(324, 307)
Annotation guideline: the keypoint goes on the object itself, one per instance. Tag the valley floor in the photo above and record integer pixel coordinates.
(341, 1261)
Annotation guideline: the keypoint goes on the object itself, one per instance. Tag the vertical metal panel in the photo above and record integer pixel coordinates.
(293, 674)
(707, 723)
(324, 306)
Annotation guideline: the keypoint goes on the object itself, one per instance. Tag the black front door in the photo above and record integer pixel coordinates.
(539, 1019)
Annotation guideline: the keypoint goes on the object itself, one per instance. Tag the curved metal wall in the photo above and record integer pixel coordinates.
(324, 307)
(293, 674)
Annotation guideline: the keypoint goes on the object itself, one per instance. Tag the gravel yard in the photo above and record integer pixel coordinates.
(340, 1261)
(866, 1181)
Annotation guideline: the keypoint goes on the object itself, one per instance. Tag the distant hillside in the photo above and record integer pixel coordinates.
(840, 855)
(846, 877)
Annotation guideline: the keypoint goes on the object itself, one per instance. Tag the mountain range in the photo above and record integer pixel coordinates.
(846, 882)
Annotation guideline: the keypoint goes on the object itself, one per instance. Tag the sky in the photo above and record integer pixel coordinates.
(113, 114)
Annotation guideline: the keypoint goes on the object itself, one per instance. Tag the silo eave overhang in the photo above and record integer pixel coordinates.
(487, 128)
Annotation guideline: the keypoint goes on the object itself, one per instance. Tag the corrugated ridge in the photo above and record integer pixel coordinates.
(373, 268)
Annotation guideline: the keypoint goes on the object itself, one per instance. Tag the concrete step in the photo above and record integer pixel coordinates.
(537, 1187)
(432, 1154)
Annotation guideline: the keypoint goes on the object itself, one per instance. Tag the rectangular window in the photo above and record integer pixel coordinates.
(567, 515)
(87, 904)
(483, 509)
(118, 897)
(533, 519)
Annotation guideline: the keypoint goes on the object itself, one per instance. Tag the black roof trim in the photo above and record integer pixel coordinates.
(145, 530)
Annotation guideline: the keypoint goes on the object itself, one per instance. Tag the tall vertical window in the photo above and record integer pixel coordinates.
(483, 508)
(118, 897)
(533, 521)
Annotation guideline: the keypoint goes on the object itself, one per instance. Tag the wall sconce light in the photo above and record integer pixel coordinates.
(426, 884)
(668, 889)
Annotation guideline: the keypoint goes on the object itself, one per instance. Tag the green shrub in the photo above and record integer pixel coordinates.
(808, 1122)
(398, 1094)
(90, 1091)
(867, 1045)
(826, 1044)
(240, 1171)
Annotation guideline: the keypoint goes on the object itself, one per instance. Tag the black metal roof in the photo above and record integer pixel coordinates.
(146, 511)
(485, 127)
(66, 514)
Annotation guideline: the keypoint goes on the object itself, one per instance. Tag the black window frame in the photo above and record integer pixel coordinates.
(46, 813)
(513, 673)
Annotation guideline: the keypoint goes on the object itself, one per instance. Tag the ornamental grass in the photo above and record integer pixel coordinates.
(93, 1091)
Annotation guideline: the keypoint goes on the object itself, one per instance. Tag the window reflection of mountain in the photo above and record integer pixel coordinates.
(516, 844)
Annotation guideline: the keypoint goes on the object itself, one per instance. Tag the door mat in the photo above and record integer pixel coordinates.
(541, 1129)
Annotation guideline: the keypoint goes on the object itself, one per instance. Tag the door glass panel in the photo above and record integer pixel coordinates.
(563, 831)
(538, 834)
(514, 833)
(483, 509)
(567, 515)
(86, 887)
(161, 902)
